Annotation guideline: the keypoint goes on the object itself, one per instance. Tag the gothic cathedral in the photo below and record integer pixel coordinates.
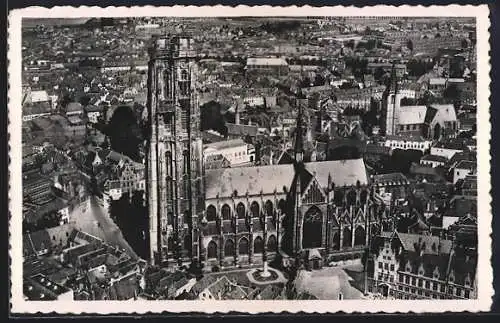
(230, 217)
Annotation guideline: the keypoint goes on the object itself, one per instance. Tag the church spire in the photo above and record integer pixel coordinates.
(393, 81)
(299, 137)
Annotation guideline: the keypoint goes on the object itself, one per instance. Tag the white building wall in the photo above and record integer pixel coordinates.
(445, 152)
(405, 144)
(459, 173)
(238, 155)
(431, 163)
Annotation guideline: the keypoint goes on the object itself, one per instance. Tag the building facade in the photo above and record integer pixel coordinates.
(412, 266)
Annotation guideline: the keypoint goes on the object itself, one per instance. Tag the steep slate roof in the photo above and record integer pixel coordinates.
(435, 158)
(224, 182)
(412, 114)
(409, 241)
(240, 130)
(447, 111)
(36, 108)
(41, 240)
(124, 289)
(343, 172)
(202, 284)
(274, 61)
(465, 164)
(391, 178)
(225, 144)
(464, 264)
(73, 107)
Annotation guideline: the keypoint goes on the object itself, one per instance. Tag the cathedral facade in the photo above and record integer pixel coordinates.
(234, 217)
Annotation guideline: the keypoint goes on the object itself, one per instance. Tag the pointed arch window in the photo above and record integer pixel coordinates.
(240, 210)
(258, 245)
(211, 213)
(255, 209)
(212, 250)
(243, 246)
(229, 248)
(272, 244)
(226, 212)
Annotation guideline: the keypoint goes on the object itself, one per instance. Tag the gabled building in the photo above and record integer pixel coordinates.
(413, 266)
(433, 160)
(463, 169)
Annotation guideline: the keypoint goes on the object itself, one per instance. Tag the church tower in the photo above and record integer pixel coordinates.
(391, 105)
(175, 153)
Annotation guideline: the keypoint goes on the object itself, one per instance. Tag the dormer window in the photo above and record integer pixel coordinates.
(467, 281)
(435, 274)
(408, 267)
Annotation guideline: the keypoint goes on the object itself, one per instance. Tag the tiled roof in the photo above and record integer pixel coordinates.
(266, 179)
(40, 240)
(267, 61)
(240, 130)
(74, 107)
(425, 171)
(454, 145)
(225, 144)
(93, 108)
(446, 111)
(124, 289)
(224, 289)
(224, 182)
(460, 156)
(377, 149)
(465, 164)
(405, 137)
(40, 287)
(410, 241)
(462, 205)
(391, 178)
(36, 108)
(202, 284)
(435, 158)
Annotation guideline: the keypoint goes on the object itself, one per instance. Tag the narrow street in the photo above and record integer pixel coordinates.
(97, 222)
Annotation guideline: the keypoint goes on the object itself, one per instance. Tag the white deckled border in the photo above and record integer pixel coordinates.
(485, 276)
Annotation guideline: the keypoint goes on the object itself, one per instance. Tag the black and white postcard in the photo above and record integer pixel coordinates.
(249, 159)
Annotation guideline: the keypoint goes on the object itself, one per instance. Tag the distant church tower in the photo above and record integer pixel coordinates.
(175, 156)
(391, 105)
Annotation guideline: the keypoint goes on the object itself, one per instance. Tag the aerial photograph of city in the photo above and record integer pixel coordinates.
(249, 158)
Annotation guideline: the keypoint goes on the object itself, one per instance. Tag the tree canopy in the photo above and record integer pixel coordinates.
(124, 132)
